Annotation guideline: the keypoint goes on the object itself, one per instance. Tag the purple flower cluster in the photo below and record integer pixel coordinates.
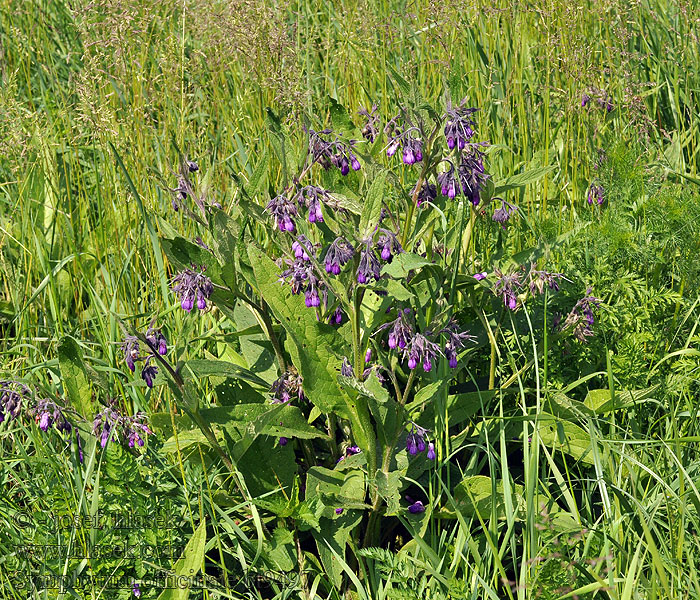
(301, 277)
(601, 97)
(455, 341)
(467, 178)
(419, 348)
(192, 285)
(12, 395)
(287, 385)
(540, 279)
(507, 286)
(596, 193)
(311, 197)
(332, 152)
(110, 423)
(459, 125)
(283, 210)
(416, 442)
(338, 254)
(370, 130)
(48, 413)
(582, 316)
(404, 137)
(427, 193)
(369, 266)
(132, 353)
(503, 214)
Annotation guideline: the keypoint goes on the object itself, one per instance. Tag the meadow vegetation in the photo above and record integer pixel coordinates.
(491, 386)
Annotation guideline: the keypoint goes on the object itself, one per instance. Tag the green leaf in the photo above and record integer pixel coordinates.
(459, 407)
(522, 179)
(280, 420)
(183, 254)
(74, 378)
(334, 533)
(601, 401)
(389, 488)
(189, 564)
(255, 347)
(278, 140)
(340, 119)
(281, 549)
(184, 440)
(258, 180)
(565, 436)
(267, 466)
(372, 206)
(399, 82)
(478, 495)
(316, 349)
(401, 264)
(206, 368)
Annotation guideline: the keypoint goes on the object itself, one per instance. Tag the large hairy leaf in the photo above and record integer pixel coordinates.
(317, 349)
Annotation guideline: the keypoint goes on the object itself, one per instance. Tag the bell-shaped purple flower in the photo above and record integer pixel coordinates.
(596, 193)
(193, 285)
(416, 507)
(388, 245)
(130, 347)
(427, 193)
(149, 372)
(449, 186)
(369, 266)
(459, 126)
(507, 287)
(338, 254)
(503, 214)
(284, 211)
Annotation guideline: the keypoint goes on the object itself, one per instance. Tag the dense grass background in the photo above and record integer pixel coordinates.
(75, 253)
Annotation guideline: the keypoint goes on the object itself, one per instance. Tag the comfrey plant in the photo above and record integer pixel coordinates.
(359, 305)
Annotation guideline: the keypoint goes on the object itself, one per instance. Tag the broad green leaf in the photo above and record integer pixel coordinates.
(183, 254)
(565, 437)
(522, 179)
(403, 263)
(73, 375)
(258, 180)
(278, 140)
(255, 348)
(478, 496)
(347, 203)
(183, 440)
(389, 488)
(601, 401)
(205, 368)
(189, 564)
(280, 420)
(340, 119)
(372, 205)
(316, 349)
(267, 466)
(459, 407)
(281, 549)
(336, 489)
(335, 533)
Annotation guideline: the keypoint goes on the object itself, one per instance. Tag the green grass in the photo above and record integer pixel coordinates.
(120, 77)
